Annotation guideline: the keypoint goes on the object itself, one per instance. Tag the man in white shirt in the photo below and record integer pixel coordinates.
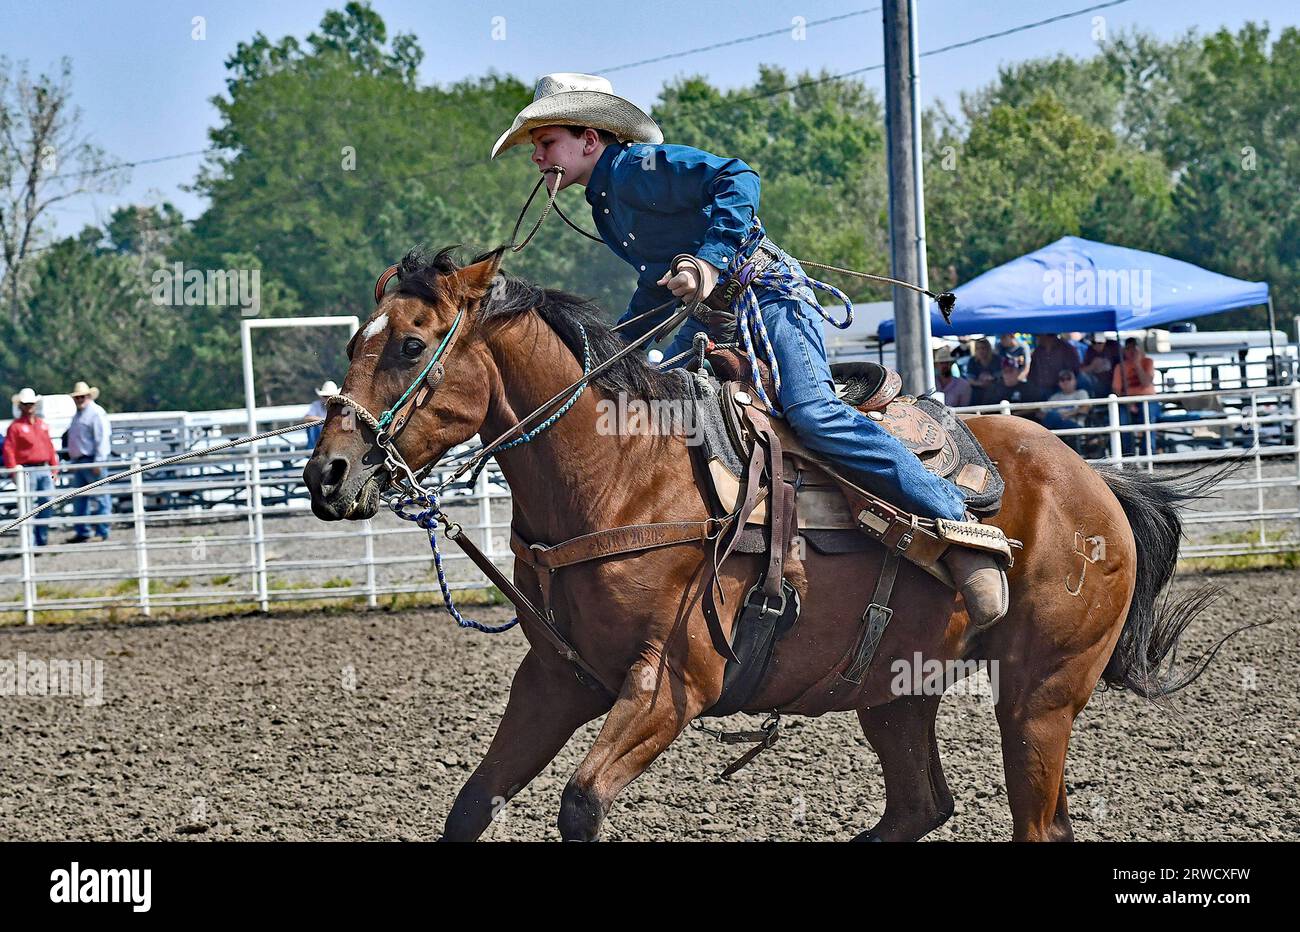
(315, 419)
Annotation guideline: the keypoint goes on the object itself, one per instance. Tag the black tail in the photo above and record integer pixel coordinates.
(1146, 655)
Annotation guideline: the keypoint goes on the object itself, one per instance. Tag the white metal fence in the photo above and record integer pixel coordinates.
(1257, 424)
(237, 530)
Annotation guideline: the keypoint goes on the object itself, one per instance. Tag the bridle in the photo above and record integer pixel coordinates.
(390, 424)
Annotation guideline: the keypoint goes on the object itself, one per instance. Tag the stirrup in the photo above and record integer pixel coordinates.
(973, 535)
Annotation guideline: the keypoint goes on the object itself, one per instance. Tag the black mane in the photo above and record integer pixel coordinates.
(567, 314)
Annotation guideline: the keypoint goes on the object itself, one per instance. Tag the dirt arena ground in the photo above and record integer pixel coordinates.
(364, 725)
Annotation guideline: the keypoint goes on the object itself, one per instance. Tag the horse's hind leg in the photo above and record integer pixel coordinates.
(917, 799)
(1036, 720)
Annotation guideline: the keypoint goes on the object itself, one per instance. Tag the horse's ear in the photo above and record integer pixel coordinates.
(474, 281)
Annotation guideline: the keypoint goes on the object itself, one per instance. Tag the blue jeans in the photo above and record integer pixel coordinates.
(829, 426)
(83, 505)
(39, 480)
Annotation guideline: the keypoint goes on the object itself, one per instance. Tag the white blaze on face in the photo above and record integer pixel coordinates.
(375, 326)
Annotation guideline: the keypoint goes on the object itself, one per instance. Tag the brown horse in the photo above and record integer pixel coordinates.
(1099, 547)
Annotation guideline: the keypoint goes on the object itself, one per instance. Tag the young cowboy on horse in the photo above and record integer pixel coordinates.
(651, 204)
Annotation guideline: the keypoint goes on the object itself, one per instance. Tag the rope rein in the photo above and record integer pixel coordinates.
(749, 317)
(428, 519)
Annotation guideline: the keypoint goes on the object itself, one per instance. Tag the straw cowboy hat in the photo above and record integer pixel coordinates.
(81, 388)
(327, 390)
(568, 99)
(25, 397)
(944, 354)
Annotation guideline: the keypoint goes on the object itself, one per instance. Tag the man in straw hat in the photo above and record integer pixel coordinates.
(27, 443)
(315, 418)
(687, 220)
(88, 437)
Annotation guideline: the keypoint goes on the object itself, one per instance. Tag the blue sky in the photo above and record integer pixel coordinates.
(143, 83)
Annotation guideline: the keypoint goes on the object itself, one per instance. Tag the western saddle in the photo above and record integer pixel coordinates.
(816, 497)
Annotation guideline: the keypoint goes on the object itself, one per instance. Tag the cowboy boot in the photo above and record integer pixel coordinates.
(982, 582)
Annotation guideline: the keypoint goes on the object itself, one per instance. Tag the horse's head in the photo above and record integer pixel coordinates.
(419, 369)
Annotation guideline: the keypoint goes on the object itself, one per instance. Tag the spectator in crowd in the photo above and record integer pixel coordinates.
(1135, 375)
(28, 444)
(1099, 364)
(956, 390)
(1051, 355)
(1076, 339)
(1011, 388)
(89, 437)
(316, 413)
(1009, 347)
(1067, 389)
(982, 370)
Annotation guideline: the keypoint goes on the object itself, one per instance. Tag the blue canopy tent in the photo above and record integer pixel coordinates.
(1076, 284)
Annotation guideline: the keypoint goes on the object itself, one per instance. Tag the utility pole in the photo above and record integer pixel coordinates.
(906, 195)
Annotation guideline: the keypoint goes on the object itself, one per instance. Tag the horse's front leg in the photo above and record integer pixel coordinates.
(652, 709)
(547, 705)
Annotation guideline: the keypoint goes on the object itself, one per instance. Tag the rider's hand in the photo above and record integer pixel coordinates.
(684, 284)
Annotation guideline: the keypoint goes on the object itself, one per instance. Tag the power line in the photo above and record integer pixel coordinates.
(117, 165)
(1015, 29)
(720, 45)
(987, 37)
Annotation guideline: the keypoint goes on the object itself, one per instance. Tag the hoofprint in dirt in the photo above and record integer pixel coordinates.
(364, 725)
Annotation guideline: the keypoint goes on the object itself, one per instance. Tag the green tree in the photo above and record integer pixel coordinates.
(1234, 143)
(88, 316)
(1027, 174)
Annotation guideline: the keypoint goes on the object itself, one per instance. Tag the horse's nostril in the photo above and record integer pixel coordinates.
(332, 476)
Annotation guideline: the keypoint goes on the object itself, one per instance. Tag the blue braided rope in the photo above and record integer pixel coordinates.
(749, 317)
(788, 284)
(749, 322)
(550, 421)
(428, 519)
(564, 408)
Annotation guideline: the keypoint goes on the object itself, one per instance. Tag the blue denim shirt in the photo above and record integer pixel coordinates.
(651, 203)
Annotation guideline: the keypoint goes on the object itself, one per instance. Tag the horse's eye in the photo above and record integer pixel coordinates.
(412, 348)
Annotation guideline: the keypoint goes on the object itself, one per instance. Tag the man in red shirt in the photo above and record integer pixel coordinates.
(27, 443)
(1136, 375)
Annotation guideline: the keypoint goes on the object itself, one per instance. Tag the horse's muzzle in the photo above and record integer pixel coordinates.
(339, 491)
